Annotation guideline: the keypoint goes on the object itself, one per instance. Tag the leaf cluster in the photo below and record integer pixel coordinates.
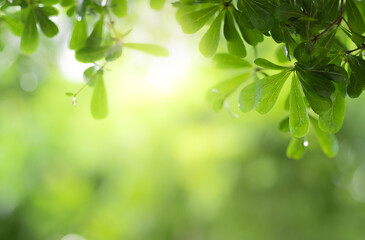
(94, 36)
(323, 71)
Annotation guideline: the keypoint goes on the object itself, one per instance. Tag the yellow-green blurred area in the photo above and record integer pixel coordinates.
(163, 164)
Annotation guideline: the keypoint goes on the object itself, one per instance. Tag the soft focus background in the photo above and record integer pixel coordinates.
(163, 165)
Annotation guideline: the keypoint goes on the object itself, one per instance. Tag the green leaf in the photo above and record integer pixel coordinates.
(71, 11)
(328, 39)
(29, 39)
(235, 44)
(290, 43)
(284, 125)
(316, 79)
(327, 141)
(157, 4)
(280, 54)
(251, 36)
(99, 102)
(194, 21)
(262, 93)
(318, 103)
(96, 36)
(119, 7)
(151, 49)
(249, 96)
(354, 89)
(331, 121)
(14, 25)
(358, 39)
(296, 148)
(81, 8)
(49, 2)
(357, 78)
(209, 43)
(49, 10)
(218, 94)
(354, 17)
(308, 54)
(226, 61)
(270, 90)
(260, 18)
(70, 94)
(48, 27)
(268, 65)
(114, 52)
(66, 3)
(90, 75)
(286, 12)
(298, 116)
(91, 53)
(79, 34)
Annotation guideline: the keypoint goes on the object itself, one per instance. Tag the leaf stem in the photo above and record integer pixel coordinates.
(337, 21)
(304, 9)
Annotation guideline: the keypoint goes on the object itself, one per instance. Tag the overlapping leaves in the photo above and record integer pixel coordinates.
(323, 71)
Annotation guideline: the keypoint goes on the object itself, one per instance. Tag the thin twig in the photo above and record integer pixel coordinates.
(305, 10)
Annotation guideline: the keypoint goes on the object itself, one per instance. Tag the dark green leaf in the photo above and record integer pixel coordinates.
(235, 44)
(319, 82)
(357, 80)
(287, 12)
(358, 39)
(48, 27)
(318, 103)
(355, 19)
(71, 11)
(354, 89)
(260, 17)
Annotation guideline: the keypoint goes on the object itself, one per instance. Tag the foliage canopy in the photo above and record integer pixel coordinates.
(321, 45)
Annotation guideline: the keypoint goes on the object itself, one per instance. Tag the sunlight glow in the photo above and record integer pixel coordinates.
(71, 69)
(165, 75)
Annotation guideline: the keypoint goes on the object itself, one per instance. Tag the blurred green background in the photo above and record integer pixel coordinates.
(163, 165)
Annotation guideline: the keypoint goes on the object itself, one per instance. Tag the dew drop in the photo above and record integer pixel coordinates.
(74, 101)
(306, 143)
(215, 90)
